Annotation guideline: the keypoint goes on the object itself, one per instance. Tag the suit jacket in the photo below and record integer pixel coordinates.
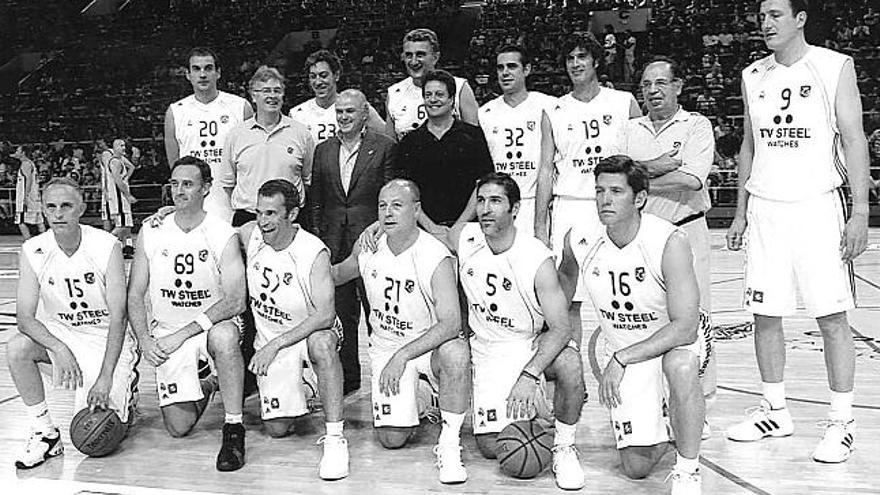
(339, 218)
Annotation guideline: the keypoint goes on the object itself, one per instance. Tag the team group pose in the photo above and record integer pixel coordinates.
(589, 200)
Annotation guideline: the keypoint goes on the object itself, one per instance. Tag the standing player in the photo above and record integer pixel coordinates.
(319, 113)
(512, 289)
(518, 131)
(639, 273)
(288, 272)
(803, 134)
(585, 125)
(75, 275)
(197, 125)
(411, 286)
(27, 195)
(190, 267)
(119, 196)
(406, 103)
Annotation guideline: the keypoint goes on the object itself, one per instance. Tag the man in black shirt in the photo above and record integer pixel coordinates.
(445, 156)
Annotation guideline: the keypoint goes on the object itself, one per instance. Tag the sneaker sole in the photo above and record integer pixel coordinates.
(334, 478)
(821, 461)
(456, 482)
(46, 457)
(769, 435)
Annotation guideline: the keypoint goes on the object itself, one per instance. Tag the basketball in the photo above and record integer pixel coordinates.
(97, 433)
(524, 449)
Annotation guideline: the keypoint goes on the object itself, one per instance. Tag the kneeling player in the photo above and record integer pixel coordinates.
(192, 267)
(410, 283)
(639, 273)
(291, 295)
(75, 272)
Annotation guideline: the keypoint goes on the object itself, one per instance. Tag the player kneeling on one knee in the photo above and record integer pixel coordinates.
(76, 273)
(411, 286)
(191, 267)
(639, 274)
(291, 296)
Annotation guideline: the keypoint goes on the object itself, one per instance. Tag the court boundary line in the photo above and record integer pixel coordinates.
(869, 282)
(869, 407)
(724, 473)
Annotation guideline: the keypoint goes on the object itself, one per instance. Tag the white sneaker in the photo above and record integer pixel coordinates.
(38, 448)
(837, 442)
(334, 462)
(567, 468)
(684, 483)
(762, 422)
(452, 470)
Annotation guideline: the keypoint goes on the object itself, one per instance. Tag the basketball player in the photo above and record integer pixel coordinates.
(319, 113)
(512, 289)
(104, 153)
(406, 104)
(585, 124)
(411, 286)
(518, 131)
(75, 274)
(288, 271)
(639, 274)
(197, 125)
(119, 196)
(190, 267)
(27, 195)
(802, 136)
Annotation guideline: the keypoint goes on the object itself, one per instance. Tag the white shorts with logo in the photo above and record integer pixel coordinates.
(282, 391)
(496, 367)
(568, 212)
(399, 410)
(89, 352)
(796, 245)
(177, 379)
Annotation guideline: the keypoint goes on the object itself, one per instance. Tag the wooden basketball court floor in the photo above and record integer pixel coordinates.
(151, 462)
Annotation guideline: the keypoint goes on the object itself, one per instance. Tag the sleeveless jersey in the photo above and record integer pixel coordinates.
(184, 269)
(514, 137)
(585, 133)
(399, 289)
(798, 153)
(103, 163)
(27, 199)
(279, 283)
(406, 105)
(321, 122)
(73, 289)
(625, 284)
(500, 288)
(114, 196)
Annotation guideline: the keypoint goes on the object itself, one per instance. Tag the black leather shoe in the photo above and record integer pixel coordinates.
(231, 456)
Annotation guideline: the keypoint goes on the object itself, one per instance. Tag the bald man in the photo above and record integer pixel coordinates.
(348, 171)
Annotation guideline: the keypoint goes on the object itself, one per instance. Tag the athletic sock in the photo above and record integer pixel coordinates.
(41, 421)
(450, 431)
(774, 393)
(685, 464)
(334, 428)
(232, 419)
(564, 434)
(841, 406)
(128, 242)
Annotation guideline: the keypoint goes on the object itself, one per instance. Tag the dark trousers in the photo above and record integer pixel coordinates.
(249, 329)
(350, 298)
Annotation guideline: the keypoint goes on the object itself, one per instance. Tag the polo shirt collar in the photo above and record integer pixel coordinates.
(284, 122)
(680, 115)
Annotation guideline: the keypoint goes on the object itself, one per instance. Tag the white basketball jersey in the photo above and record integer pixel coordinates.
(406, 105)
(798, 153)
(500, 288)
(321, 122)
(184, 269)
(30, 197)
(584, 134)
(201, 129)
(626, 284)
(73, 289)
(120, 202)
(399, 289)
(106, 155)
(279, 283)
(514, 137)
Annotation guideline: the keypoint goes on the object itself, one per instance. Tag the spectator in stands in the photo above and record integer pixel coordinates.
(629, 56)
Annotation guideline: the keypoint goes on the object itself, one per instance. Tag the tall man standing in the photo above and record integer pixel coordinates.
(198, 124)
(119, 196)
(803, 135)
(349, 170)
(27, 195)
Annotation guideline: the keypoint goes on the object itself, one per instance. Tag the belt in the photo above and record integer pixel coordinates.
(690, 218)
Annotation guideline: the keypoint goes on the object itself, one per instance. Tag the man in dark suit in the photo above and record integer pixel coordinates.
(348, 171)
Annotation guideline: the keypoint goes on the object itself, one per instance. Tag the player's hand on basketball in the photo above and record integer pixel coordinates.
(609, 384)
(259, 364)
(389, 380)
(521, 401)
(735, 233)
(170, 343)
(369, 238)
(855, 237)
(99, 395)
(69, 375)
(150, 350)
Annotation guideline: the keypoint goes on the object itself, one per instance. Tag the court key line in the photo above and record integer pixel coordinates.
(732, 477)
(863, 279)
